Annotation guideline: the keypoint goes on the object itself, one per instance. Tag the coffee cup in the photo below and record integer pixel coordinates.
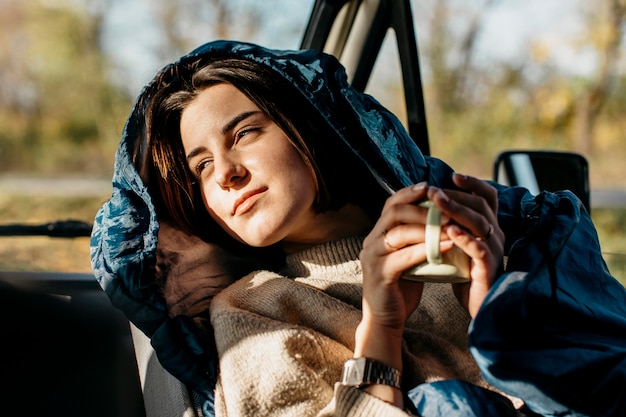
(452, 266)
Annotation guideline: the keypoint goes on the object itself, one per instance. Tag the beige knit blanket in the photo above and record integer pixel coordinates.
(282, 341)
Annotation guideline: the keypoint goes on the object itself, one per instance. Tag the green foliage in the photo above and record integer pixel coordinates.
(543, 115)
(62, 101)
(610, 223)
(476, 109)
(61, 111)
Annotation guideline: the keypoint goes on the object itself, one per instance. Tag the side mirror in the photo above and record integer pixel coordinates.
(544, 170)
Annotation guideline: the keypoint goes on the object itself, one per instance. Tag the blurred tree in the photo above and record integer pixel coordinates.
(464, 119)
(604, 33)
(185, 24)
(59, 105)
(56, 91)
(56, 98)
(454, 28)
(529, 99)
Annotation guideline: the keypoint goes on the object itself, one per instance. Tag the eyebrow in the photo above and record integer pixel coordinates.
(235, 120)
(195, 152)
(227, 128)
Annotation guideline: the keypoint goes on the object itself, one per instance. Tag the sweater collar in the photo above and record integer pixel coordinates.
(337, 258)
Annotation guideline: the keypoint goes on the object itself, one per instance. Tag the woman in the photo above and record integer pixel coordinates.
(252, 148)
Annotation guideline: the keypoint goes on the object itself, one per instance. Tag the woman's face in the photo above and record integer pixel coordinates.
(254, 182)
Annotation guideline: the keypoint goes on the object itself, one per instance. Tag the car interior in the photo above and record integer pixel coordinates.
(91, 360)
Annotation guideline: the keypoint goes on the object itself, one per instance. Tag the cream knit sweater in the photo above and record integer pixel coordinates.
(282, 338)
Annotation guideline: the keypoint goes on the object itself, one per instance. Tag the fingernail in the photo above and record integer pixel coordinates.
(419, 186)
(443, 195)
(454, 229)
(446, 244)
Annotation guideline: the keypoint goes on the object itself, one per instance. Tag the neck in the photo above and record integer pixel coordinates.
(350, 220)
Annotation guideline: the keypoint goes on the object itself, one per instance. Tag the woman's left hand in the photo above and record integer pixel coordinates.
(474, 228)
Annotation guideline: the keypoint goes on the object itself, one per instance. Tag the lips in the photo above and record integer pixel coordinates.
(245, 203)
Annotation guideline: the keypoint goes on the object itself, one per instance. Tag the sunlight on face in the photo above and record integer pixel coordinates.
(254, 182)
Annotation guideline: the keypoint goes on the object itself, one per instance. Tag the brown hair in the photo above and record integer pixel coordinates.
(162, 164)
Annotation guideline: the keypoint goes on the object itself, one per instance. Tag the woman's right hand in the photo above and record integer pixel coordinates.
(395, 243)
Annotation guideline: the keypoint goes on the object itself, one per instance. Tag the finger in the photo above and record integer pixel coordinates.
(473, 215)
(400, 209)
(483, 270)
(473, 201)
(478, 187)
(394, 263)
(407, 195)
(475, 249)
(486, 253)
(404, 235)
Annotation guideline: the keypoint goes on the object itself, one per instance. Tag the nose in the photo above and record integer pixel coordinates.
(229, 172)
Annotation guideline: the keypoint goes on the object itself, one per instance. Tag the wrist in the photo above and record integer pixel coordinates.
(375, 378)
(379, 343)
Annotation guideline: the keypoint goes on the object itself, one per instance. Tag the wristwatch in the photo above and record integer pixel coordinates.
(360, 372)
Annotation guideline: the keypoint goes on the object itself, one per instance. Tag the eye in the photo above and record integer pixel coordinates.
(202, 166)
(246, 133)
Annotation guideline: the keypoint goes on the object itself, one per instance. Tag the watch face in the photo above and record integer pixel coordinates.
(354, 372)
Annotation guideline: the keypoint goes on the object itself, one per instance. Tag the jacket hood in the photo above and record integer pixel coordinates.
(125, 235)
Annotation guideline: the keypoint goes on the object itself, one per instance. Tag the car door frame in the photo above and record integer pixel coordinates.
(354, 30)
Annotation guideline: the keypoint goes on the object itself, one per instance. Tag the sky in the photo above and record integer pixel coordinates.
(130, 35)
(512, 25)
(509, 28)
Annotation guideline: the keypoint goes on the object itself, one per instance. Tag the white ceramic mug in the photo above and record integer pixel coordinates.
(453, 266)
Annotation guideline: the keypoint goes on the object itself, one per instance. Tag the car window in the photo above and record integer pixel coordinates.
(71, 71)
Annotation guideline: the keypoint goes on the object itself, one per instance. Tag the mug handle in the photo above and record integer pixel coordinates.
(433, 233)
(433, 269)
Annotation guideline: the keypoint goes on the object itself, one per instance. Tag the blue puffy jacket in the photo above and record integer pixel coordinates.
(552, 330)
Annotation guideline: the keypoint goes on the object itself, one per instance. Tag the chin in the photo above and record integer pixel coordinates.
(260, 234)
(258, 241)
(262, 244)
